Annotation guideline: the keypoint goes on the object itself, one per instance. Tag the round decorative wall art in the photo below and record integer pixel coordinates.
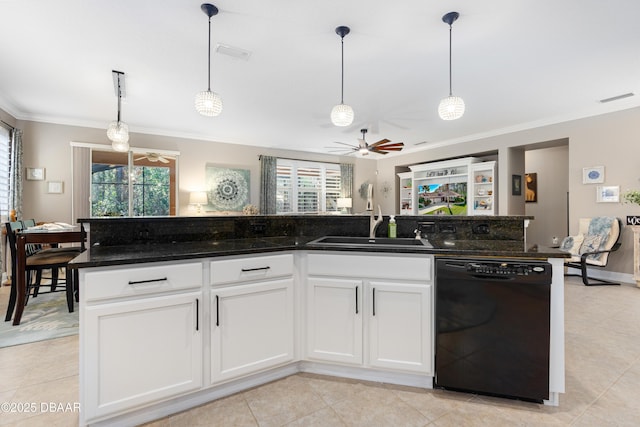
(228, 189)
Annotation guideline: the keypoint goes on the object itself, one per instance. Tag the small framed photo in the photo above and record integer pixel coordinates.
(55, 187)
(516, 185)
(593, 175)
(608, 194)
(35, 174)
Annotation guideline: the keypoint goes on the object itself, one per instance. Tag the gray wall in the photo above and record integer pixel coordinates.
(48, 145)
(550, 211)
(610, 140)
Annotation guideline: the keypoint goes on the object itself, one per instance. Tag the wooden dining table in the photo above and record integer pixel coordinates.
(51, 237)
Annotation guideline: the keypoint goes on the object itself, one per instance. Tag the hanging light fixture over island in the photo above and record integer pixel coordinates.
(209, 103)
(118, 131)
(342, 114)
(451, 107)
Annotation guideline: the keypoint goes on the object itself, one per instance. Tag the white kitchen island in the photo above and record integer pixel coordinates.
(160, 337)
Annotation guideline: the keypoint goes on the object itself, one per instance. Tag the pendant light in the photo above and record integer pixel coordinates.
(118, 131)
(451, 107)
(342, 114)
(209, 103)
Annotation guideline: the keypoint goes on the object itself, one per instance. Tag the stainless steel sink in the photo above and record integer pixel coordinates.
(367, 242)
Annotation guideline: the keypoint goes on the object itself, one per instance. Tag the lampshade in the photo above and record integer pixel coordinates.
(451, 108)
(344, 202)
(198, 198)
(118, 133)
(208, 103)
(342, 115)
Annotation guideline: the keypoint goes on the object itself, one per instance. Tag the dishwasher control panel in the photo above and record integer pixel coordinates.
(507, 268)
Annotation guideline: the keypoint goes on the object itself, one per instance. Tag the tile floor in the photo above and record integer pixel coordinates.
(602, 379)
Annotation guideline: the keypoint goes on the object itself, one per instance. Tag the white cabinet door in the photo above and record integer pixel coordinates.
(334, 320)
(251, 328)
(141, 351)
(400, 326)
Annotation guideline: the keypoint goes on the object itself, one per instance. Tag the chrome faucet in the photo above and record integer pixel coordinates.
(374, 223)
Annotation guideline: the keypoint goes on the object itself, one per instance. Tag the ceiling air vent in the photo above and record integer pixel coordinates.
(616, 98)
(234, 52)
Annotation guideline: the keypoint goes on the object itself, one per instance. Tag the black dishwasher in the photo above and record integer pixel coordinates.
(492, 327)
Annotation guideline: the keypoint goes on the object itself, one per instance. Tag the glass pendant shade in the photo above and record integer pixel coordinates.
(118, 133)
(342, 115)
(208, 103)
(451, 108)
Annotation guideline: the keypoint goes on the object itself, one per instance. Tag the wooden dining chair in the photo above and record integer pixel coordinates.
(35, 264)
(32, 248)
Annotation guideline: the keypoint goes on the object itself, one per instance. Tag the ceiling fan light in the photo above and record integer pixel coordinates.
(118, 133)
(451, 108)
(342, 115)
(208, 103)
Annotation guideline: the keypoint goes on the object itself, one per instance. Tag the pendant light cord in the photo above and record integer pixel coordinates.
(119, 98)
(450, 90)
(209, 59)
(342, 71)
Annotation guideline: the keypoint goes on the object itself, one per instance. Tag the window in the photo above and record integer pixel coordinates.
(5, 143)
(307, 187)
(146, 188)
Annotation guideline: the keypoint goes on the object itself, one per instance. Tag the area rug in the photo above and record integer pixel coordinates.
(45, 317)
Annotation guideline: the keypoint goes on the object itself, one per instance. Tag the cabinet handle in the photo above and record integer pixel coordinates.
(217, 310)
(137, 282)
(356, 300)
(245, 270)
(374, 300)
(197, 314)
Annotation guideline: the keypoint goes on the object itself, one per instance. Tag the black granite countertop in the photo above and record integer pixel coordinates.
(97, 256)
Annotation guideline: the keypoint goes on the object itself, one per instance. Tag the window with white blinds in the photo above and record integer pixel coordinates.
(5, 143)
(307, 187)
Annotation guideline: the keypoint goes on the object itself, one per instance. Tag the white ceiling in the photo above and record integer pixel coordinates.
(517, 64)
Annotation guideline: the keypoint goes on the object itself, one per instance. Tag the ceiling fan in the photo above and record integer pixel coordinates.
(153, 157)
(381, 147)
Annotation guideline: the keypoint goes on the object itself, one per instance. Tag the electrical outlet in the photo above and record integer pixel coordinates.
(427, 227)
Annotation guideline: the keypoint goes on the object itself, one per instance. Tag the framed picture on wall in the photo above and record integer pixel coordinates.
(35, 174)
(55, 187)
(593, 175)
(531, 187)
(516, 185)
(608, 194)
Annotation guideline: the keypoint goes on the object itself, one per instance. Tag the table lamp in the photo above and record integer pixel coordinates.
(344, 203)
(198, 198)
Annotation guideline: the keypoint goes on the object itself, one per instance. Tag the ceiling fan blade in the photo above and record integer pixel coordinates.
(382, 141)
(344, 143)
(393, 147)
(140, 158)
(163, 160)
(336, 149)
(376, 150)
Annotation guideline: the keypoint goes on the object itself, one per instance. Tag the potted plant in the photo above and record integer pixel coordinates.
(631, 196)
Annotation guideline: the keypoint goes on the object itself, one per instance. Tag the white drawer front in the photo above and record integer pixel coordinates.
(378, 265)
(150, 279)
(251, 268)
